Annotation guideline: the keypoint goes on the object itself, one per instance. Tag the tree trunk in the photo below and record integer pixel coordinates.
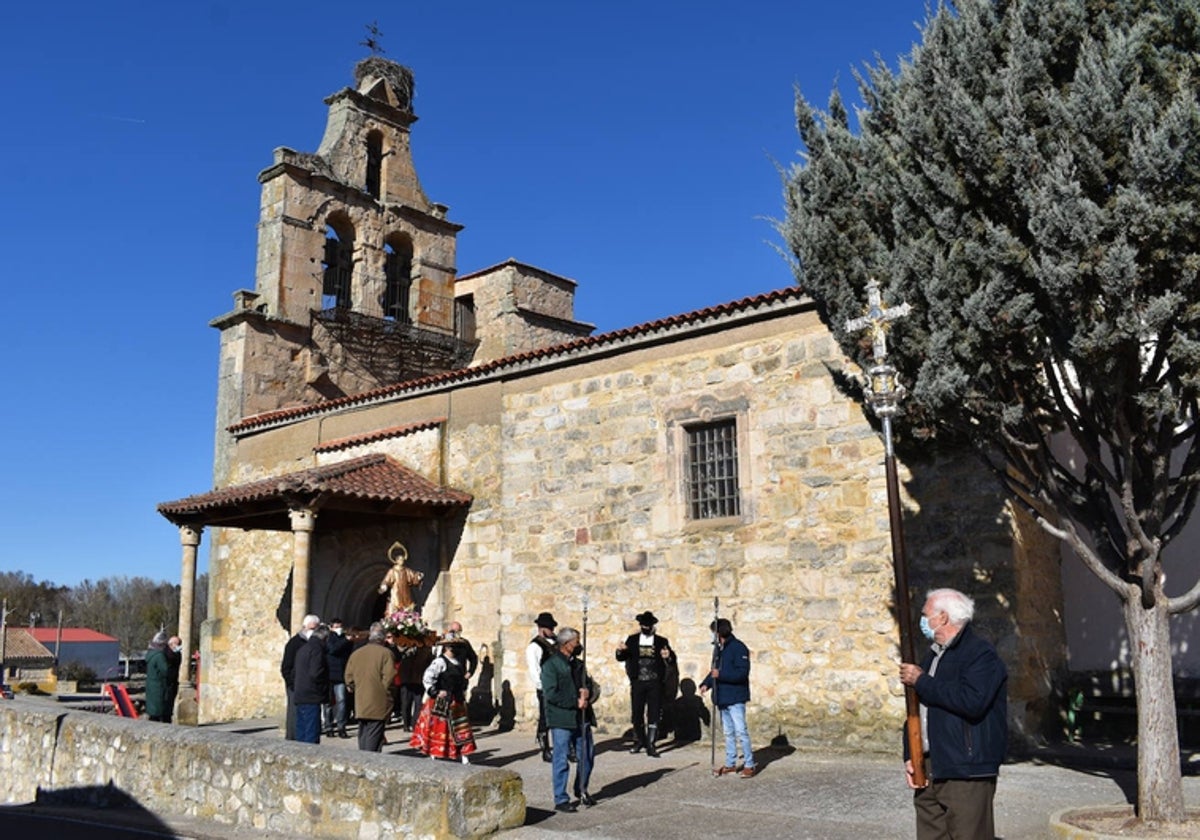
(1160, 785)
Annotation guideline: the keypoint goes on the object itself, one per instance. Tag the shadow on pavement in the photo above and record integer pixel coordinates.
(95, 812)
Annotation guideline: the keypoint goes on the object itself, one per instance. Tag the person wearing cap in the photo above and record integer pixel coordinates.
(541, 648)
(730, 684)
(646, 656)
(158, 706)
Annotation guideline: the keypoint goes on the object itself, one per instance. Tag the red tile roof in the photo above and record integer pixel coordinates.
(48, 635)
(616, 337)
(371, 478)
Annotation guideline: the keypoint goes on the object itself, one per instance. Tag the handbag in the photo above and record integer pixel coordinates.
(441, 707)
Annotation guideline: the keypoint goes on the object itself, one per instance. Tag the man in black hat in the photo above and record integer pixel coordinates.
(540, 649)
(646, 656)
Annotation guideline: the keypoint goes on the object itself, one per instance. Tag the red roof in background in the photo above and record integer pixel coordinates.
(48, 635)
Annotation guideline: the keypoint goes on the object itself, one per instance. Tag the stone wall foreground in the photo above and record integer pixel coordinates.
(47, 754)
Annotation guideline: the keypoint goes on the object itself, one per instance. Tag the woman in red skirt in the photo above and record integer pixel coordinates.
(443, 729)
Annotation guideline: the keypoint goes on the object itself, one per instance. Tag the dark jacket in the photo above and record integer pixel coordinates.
(968, 708)
(560, 693)
(630, 656)
(582, 679)
(287, 667)
(311, 673)
(337, 652)
(733, 684)
(174, 661)
(157, 683)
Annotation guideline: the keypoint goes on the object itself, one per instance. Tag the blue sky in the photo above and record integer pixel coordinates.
(628, 145)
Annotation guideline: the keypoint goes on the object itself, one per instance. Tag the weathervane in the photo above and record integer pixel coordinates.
(883, 393)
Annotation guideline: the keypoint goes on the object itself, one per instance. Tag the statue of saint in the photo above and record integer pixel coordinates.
(400, 581)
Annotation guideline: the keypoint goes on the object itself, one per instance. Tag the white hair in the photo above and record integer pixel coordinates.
(566, 634)
(311, 622)
(958, 607)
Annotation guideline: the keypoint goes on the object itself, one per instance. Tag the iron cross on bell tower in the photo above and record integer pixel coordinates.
(883, 393)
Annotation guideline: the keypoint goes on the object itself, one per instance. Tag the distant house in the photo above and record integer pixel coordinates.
(25, 658)
(100, 653)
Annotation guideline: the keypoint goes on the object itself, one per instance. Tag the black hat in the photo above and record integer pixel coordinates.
(545, 620)
(646, 619)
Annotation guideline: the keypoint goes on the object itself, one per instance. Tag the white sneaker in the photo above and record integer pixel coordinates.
(466, 760)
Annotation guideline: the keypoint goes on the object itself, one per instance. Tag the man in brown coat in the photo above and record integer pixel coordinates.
(369, 675)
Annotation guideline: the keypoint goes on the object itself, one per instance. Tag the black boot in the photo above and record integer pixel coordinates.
(543, 739)
(639, 738)
(651, 736)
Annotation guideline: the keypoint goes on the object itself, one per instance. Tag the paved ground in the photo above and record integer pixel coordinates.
(796, 795)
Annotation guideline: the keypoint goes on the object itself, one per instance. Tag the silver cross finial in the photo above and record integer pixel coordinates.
(876, 318)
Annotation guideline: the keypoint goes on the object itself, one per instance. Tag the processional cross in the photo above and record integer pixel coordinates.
(883, 393)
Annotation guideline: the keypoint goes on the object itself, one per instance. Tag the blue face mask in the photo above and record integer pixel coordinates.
(926, 630)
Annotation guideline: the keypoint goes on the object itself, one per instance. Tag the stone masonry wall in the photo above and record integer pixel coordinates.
(242, 780)
(578, 477)
(593, 503)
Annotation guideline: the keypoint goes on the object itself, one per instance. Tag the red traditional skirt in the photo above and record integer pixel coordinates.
(443, 730)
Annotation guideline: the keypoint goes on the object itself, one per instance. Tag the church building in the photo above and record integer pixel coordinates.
(371, 395)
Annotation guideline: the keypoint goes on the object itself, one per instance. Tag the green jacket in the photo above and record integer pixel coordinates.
(560, 693)
(157, 689)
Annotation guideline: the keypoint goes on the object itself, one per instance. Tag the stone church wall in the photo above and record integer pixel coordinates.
(577, 481)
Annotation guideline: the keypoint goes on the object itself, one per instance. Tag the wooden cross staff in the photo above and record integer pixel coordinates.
(883, 394)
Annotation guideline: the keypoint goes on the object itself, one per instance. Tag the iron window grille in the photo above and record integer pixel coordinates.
(712, 470)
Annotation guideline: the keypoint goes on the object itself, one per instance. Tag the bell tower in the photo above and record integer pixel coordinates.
(354, 284)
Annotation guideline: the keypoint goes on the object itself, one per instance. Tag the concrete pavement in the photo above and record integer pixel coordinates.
(795, 795)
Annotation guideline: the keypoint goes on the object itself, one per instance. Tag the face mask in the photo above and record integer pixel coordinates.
(926, 630)
(176, 648)
(337, 630)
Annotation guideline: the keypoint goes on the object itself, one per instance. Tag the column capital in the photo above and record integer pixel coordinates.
(190, 534)
(303, 519)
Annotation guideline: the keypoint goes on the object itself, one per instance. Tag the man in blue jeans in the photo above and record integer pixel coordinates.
(730, 684)
(566, 705)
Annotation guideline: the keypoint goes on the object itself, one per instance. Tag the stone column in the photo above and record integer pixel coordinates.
(303, 522)
(186, 711)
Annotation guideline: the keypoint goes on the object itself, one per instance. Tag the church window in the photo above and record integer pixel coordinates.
(464, 318)
(337, 268)
(397, 270)
(712, 470)
(374, 163)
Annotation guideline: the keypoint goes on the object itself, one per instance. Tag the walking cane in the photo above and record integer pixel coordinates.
(716, 659)
(583, 662)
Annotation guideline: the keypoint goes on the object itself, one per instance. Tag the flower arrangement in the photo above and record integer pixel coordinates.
(406, 623)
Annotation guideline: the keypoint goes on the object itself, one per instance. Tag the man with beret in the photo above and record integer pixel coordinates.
(646, 656)
(539, 650)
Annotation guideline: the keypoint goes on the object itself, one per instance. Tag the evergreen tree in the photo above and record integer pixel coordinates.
(1028, 180)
